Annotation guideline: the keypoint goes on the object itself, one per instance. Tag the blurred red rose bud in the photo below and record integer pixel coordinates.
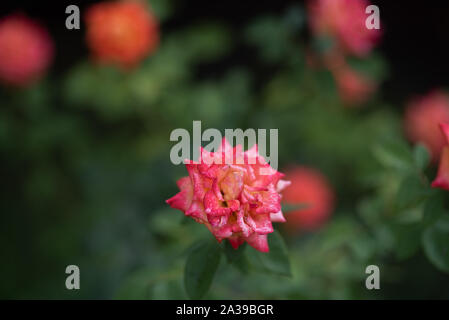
(343, 20)
(121, 32)
(26, 50)
(422, 118)
(353, 87)
(442, 179)
(311, 188)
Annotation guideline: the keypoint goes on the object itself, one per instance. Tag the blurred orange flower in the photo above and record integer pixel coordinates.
(422, 118)
(26, 50)
(121, 32)
(309, 187)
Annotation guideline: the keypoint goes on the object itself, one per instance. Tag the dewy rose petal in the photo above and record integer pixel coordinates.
(442, 179)
(234, 200)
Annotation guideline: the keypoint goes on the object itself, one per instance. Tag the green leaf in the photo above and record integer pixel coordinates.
(436, 243)
(270, 36)
(276, 261)
(407, 239)
(374, 66)
(433, 208)
(394, 154)
(200, 268)
(200, 41)
(412, 192)
(295, 18)
(232, 254)
(237, 257)
(421, 156)
(287, 207)
(162, 8)
(323, 44)
(135, 287)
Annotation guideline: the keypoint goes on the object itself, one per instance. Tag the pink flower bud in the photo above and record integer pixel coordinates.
(344, 20)
(442, 179)
(421, 120)
(354, 88)
(26, 50)
(310, 188)
(237, 201)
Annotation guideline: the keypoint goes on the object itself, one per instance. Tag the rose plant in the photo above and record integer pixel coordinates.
(236, 195)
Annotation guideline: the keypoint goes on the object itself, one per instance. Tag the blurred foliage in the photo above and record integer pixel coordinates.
(86, 170)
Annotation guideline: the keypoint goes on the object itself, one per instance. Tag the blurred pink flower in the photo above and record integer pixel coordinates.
(354, 88)
(421, 120)
(121, 32)
(311, 188)
(26, 50)
(344, 20)
(442, 179)
(234, 201)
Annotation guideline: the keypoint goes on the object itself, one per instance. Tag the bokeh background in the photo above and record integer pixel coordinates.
(85, 164)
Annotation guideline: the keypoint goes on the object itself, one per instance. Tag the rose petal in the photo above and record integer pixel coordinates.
(442, 179)
(258, 242)
(277, 217)
(183, 199)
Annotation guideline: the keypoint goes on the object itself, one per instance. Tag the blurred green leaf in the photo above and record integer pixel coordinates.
(232, 254)
(436, 243)
(205, 42)
(200, 268)
(276, 261)
(287, 207)
(421, 156)
(136, 286)
(434, 207)
(394, 154)
(323, 44)
(237, 257)
(271, 36)
(162, 8)
(373, 66)
(295, 18)
(412, 192)
(408, 239)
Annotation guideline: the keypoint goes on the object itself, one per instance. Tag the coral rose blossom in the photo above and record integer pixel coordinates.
(421, 120)
(122, 32)
(442, 179)
(344, 20)
(309, 187)
(26, 50)
(236, 201)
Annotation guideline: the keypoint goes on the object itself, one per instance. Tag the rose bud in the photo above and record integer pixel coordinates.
(26, 50)
(309, 188)
(344, 21)
(353, 87)
(422, 118)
